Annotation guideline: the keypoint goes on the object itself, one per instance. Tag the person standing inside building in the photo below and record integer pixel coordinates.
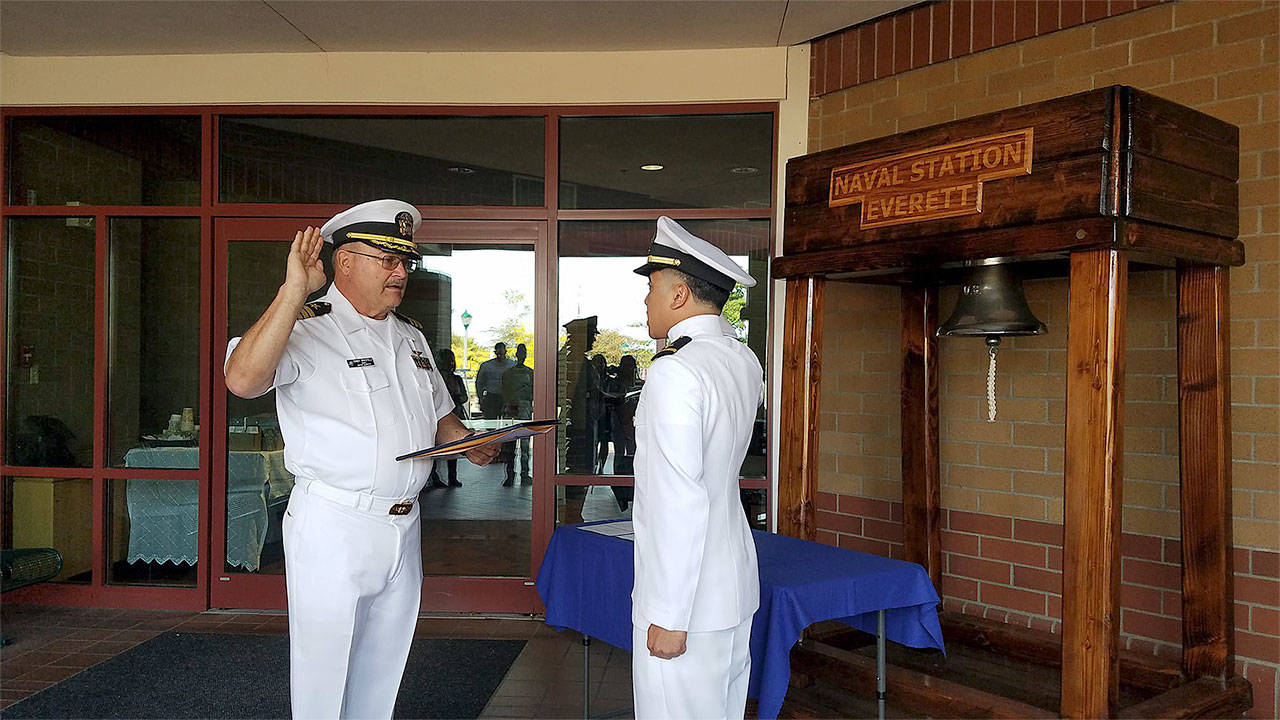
(447, 365)
(355, 387)
(489, 381)
(696, 579)
(517, 392)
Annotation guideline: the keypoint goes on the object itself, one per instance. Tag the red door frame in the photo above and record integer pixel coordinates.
(439, 593)
(446, 595)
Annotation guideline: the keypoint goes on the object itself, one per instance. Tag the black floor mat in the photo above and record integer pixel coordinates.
(204, 675)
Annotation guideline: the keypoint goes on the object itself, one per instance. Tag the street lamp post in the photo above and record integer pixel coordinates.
(466, 323)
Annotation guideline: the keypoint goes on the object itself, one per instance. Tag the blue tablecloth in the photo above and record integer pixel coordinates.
(586, 578)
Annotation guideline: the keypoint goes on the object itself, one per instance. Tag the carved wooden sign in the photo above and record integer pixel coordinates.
(937, 182)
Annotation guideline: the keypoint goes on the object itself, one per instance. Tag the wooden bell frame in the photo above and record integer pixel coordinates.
(1118, 180)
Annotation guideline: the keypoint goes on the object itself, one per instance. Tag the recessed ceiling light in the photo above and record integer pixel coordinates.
(651, 167)
(744, 170)
(461, 170)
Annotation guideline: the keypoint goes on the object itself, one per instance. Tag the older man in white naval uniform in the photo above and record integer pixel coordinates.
(355, 387)
(696, 578)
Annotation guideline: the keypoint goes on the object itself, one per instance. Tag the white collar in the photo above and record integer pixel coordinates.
(350, 321)
(707, 324)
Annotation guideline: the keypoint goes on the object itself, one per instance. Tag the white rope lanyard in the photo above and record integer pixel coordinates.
(991, 385)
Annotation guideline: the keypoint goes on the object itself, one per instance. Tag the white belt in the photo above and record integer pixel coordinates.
(358, 500)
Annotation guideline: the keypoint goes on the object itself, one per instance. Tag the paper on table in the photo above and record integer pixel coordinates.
(619, 528)
(497, 435)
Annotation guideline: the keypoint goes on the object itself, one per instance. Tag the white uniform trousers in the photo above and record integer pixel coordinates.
(708, 681)
(354, 580)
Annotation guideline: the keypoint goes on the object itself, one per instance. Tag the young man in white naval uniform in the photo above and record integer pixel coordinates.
(355, 387)
(696, 578)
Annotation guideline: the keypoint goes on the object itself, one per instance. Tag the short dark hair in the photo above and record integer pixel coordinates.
(703, 291)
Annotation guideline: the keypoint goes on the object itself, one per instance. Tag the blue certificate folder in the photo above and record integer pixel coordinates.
(586, 578)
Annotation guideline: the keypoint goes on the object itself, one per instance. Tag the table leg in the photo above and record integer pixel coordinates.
(880, 663)
(586, 674)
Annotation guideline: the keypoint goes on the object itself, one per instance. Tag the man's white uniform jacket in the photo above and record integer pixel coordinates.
(353, 393)
(695, 560)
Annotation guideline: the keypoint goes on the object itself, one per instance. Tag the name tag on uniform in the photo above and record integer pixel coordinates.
(360, 362)
(422, 361)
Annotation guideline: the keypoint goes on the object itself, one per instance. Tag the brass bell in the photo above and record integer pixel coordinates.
(992, 305)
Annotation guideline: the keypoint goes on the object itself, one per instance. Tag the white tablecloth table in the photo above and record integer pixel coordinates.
(162, 513)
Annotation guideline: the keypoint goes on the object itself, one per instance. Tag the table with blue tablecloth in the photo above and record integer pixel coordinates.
(586, 578)
(162, 513)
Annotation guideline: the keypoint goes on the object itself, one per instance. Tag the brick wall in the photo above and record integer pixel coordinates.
(1002, 482)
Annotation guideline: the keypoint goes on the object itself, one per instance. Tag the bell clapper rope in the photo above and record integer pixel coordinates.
(993, 346)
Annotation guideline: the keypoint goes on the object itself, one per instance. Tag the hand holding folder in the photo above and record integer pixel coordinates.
(470, 442)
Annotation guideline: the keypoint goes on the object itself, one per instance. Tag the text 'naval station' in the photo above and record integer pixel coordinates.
(937, 182)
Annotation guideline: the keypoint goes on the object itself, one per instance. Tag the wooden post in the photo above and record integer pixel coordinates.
(921, 491)
(1094, 451)
(798, 416)
(1204, 405)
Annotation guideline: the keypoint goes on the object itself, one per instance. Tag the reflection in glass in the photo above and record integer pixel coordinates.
(153, 320)
(591, 503)
(671, 161)
(258, 484)
(50, 340)
(44, 512)
(424, 160)
(605, 350)
(475, 520)
(104, 160)
(152, 536)
(476, 306)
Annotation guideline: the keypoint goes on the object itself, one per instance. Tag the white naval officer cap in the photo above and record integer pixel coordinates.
(385, 224)
(675, 247)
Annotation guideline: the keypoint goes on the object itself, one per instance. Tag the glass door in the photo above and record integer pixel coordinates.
(477, 297)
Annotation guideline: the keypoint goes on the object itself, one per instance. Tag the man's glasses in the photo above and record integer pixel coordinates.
(389, 262)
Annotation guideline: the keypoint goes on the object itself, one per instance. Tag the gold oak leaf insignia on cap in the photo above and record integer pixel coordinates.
(314, 309)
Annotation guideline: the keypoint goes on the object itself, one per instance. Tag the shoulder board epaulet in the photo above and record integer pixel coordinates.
(673, 346)
(314, 309)
(409, 320)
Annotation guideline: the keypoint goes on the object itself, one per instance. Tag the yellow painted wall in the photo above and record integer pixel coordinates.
(412, 78)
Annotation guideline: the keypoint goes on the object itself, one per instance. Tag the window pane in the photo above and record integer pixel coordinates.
(589, 503)
(104, 160)
(53, 513)
(153, 319)
(50, 340)
(697, 161)
(258, 484)
(476, 520)
(577, 503)
(604, 344)
(474, 523)
(422, 160)
(152, 537)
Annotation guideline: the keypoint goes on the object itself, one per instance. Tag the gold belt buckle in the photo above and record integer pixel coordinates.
(401, 508)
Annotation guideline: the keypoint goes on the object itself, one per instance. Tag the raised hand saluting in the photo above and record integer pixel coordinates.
(304, 268)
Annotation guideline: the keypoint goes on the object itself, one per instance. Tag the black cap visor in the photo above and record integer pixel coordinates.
(666, 258)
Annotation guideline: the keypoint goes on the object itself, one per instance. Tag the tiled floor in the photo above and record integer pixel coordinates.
(50, 644)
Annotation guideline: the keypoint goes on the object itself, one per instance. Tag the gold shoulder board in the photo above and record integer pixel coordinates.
(314, 309)
(409, 320)
(673, 346)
